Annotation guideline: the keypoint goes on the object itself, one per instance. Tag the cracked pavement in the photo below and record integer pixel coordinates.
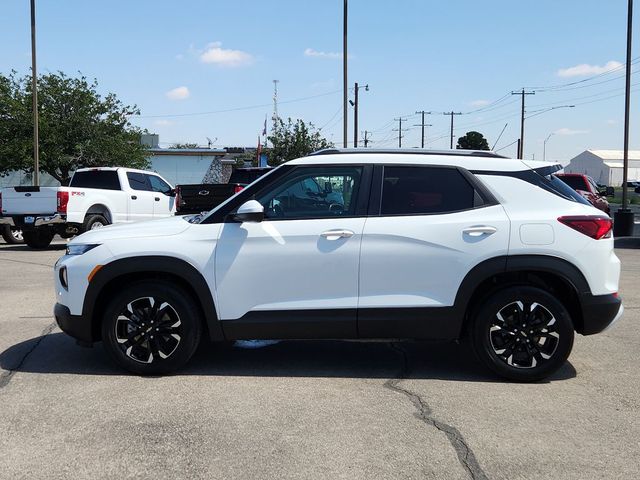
(307, 409)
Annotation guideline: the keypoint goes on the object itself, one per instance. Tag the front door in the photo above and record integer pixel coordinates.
(295, 274)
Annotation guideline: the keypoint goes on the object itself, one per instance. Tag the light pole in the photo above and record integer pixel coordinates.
(344, 76)
(544, 146)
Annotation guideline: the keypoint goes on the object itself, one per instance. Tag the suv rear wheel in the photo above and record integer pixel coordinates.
(151, 328)
(522, 333)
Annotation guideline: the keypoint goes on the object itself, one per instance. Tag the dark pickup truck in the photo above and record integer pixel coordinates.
(198, 198)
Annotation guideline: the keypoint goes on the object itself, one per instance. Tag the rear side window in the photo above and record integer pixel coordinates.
(138, 181)
(575, 182)
(554, 185)
(105, 179)
(425, 190)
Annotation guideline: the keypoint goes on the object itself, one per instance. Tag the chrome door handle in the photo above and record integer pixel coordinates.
(479, 230)
(336, 234)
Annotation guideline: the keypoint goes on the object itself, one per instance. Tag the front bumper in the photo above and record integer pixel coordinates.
(599, 312)
(74, 325)
(6, 221)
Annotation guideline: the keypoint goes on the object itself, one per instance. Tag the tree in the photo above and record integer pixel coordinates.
(473, 141)
(78, 127)
(292, 140)
(184, 146)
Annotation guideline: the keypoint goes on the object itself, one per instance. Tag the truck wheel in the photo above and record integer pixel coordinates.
(151, 328)
(522, 333)
(12, 235)
(38, 239)
(93, 221)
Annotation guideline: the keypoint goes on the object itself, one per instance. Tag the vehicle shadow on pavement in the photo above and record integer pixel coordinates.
(58, 354)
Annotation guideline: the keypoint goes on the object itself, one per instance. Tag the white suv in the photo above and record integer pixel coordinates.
(356, 244)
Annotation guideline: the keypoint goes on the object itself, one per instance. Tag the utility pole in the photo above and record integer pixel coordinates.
(399, 130)
(275, 102)
(355, 113)
(34, 97)
(366, 139)
(452, 113)
(344, 76)
(422, 124)
(623, 224)
(521, 144)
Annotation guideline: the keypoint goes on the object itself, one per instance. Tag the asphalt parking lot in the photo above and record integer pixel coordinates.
(307, 409)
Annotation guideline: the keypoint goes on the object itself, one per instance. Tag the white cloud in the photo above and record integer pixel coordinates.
(310, 52)
(611, 122)
(178, 93)
(163, 123)
(569, 131)
(480, 103)
(585, 69)
(224, 57)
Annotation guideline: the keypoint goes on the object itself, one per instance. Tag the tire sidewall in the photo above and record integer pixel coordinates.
(92, 219)
(498, 300)
(183, 304)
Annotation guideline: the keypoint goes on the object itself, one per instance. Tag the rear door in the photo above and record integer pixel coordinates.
(163, 201)
(429, 226)
(141, 198)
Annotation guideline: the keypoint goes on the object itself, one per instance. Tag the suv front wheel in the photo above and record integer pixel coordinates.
(522, 333)
(151, 328)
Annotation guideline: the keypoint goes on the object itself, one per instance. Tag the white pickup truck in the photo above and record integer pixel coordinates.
(94, 198)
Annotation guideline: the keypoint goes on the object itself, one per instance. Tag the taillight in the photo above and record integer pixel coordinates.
(595, 227)
(63, 201)
(237, 188)
(178, 197)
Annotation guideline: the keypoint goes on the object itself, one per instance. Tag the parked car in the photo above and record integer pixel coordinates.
(587, 187)
(633, 184)
(425, 246)
(198, 198)
(94, 198)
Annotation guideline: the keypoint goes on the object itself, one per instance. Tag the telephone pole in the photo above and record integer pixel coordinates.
(366, 138)
(452, 113)
(34, 98)
(344, 76)
(521, 144)
(422, 124)
(399, 130)
(355, 113)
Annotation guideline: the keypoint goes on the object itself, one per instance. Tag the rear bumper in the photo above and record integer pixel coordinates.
(50, 220)
(36, 220)
(599, 312)
(74, 325)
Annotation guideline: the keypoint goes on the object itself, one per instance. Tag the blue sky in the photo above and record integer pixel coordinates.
(174, 59)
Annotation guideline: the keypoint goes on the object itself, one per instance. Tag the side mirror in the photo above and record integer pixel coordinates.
(249, 211)
(171, 193)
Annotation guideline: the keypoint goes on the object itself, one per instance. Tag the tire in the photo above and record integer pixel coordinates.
(12, 235)
(131, 322)
(38, 239)
(523, 354)
(94, 221)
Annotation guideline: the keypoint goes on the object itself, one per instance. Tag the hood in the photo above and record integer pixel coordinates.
(152, 228)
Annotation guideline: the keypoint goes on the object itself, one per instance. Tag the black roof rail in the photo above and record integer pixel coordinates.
(409, 151)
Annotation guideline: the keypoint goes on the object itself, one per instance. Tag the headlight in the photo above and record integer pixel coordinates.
(79, 249)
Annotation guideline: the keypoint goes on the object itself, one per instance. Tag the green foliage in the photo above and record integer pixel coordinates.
(293, 140)
(184, 146)
(472, 141)
(78, 127)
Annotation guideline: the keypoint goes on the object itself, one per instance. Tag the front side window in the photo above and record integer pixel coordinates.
(158, 185)
(313, 193)
(138, 181)
(425, 190)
